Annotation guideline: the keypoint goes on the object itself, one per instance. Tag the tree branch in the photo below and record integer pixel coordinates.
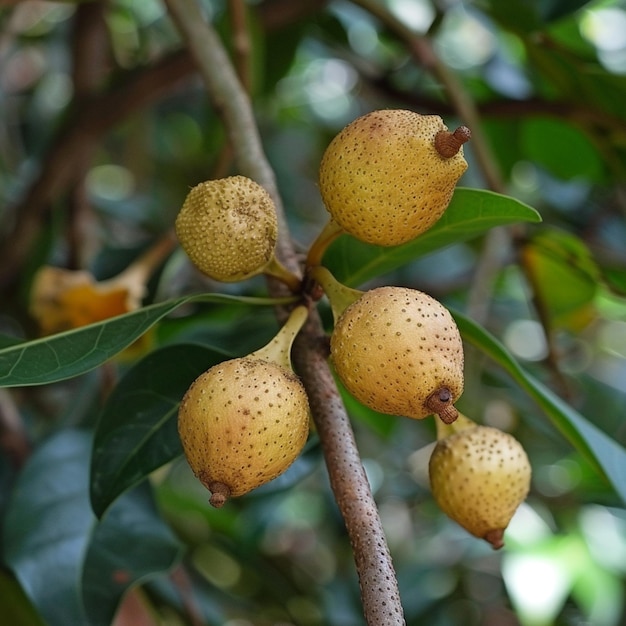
(379, 589)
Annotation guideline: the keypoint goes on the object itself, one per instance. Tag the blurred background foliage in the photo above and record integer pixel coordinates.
(104, 128)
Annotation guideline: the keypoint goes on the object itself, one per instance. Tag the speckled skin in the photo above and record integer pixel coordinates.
(394, 347)
(382, 179)
(242, 423)
(228, 228)
(479, 477)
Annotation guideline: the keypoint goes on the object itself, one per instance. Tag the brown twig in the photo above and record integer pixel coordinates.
(579, 112)
(242, 49)
(13, 439)
(242, 46)
(89, 60)
(379, 589)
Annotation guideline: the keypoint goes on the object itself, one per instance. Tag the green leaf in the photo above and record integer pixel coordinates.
(75, 352)
(615, 280)
(16, 607)
(564, 276)
(562, 149)
(605, 454)
(48, 524)
(9, 340)
(137, 429)
(73, 569)
(130, 544)
(471, 213)
(516, 15)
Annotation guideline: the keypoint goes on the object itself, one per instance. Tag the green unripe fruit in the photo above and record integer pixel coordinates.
(399, 352)
(479, 477)
(389, 175)
(242, 423)
(228, 228)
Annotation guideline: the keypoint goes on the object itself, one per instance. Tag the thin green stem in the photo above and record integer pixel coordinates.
(278, 350)
(327, 235)
(339, 295)
(461, 423)
(276, 269)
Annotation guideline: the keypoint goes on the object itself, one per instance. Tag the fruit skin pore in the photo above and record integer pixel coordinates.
(242, 423)
(228, 228)
(394, 348)
(479, 477)
(382, 178)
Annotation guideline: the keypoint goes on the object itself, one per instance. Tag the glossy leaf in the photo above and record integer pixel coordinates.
(471, 213)
(137, 430)
(607, 456)
(73, 569)
(75, 352)
(48, 525)
(129, 545)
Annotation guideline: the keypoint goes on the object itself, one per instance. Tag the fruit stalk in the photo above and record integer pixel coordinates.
(339, 295)
(461, 423)
(327, 235)
(277, 270)
(278, 350)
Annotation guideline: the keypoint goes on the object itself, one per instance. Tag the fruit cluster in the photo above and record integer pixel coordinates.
(385, 179)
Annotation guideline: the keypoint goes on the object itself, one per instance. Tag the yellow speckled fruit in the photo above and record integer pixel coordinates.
(228, 228)
(242, 423)
(389, 175)
(479, 477)
(399, 352)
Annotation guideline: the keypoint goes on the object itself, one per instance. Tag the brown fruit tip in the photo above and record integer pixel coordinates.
(440, 402)
(219, 494)
(495, 538)
(448, 144)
